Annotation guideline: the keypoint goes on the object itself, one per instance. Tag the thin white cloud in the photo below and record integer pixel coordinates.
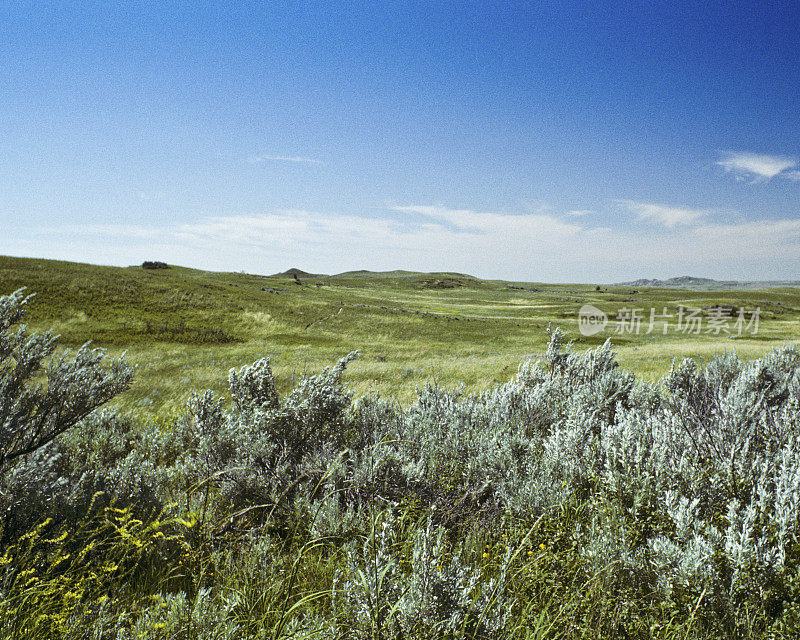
(434, 238)
(665, 215)
(295, 159)
(467, 221)
(758, 167)
(580, 212)
(748, 237)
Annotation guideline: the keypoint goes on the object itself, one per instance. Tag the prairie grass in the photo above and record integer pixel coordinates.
(185, 328)
(550, 506)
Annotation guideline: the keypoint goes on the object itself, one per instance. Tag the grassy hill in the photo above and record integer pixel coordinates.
(185, 328)
(707, 284)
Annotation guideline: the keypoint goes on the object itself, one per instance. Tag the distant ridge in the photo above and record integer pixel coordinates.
(707, 284)
(360, 273)
(298, 273)
(401, 273)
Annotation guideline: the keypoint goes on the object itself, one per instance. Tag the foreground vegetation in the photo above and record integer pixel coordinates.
(185, 328)
(572, 501)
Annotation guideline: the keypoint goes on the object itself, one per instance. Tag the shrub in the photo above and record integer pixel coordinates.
(627, 508)
(39, 401)
(32, 414)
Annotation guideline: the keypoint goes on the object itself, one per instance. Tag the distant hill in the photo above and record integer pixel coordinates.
(363, 273)
(707, 284)
(299, 273)
(401, 273)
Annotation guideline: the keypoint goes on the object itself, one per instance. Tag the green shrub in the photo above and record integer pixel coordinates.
(571, 502)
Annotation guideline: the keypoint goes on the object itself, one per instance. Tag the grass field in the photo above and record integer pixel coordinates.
(185, 328)
(548, 507)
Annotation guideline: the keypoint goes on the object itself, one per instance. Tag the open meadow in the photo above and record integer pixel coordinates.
(431, 488)
(185, 328)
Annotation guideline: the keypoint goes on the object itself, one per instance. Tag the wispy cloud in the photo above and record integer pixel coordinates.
(580, 212)
(295, 159)
(523, 246)
(749, 235)
(468, 221)
(759, 167)
(665, 215)
(430, 238)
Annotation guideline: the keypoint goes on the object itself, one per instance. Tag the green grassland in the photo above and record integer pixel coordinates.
(305, 514)
(184, 328)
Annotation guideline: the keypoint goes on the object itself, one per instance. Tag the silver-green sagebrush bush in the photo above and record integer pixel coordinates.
(316, 515)
(410, 585)
(42, 396)
(32, 413)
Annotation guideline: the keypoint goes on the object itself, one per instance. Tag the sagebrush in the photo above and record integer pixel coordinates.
(574, 501)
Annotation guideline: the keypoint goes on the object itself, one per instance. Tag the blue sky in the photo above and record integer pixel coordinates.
(565, 141)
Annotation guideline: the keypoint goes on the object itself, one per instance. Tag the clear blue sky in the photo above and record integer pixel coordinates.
(557, 141)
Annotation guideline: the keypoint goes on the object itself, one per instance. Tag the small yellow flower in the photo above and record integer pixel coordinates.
(541, 546)
(505, 535)
(530, 553)
(485, 555)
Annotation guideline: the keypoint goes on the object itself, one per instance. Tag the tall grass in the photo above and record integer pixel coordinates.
(571, 501)
(185, 328)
